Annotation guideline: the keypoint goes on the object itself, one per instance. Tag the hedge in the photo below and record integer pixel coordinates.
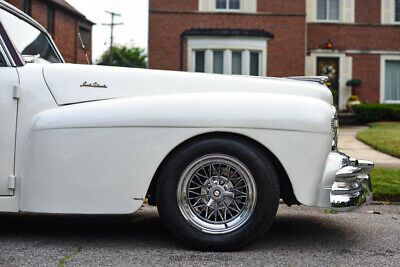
(376, 112)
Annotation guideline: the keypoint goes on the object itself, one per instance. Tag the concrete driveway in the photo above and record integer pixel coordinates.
(299, 236)
(349, 144)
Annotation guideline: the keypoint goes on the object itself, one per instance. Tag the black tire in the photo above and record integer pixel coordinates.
(267, 189)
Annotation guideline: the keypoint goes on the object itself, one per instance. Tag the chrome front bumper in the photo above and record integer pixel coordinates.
(352, 187)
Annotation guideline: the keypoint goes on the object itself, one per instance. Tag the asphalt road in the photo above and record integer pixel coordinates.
(299, 236)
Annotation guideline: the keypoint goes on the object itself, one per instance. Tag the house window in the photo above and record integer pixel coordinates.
(228, 4)
(218, 61)
(86, 37)
(392, 81)
(328, 10)
(238, 55)
(50, 20)
(397, 11)
(26, 6)
(237, 68)
(255, 63)
(199, 61)
(226, 61)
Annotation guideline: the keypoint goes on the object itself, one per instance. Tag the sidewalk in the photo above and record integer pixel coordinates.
(357, 149)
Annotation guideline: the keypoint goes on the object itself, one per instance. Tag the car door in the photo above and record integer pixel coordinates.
(8, 119)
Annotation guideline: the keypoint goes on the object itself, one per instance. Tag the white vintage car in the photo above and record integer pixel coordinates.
(215, 153)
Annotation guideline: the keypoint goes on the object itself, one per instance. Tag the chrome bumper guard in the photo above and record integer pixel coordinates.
(352, 187)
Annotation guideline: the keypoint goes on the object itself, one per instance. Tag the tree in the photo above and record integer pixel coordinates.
(124, 56)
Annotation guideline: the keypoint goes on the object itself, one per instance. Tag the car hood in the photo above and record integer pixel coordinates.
(71, 83)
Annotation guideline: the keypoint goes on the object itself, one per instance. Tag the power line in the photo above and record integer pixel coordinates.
(112, 25)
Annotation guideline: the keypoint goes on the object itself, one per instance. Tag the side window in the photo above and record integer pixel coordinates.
(397, 11)
(28, 40)
(2, 61)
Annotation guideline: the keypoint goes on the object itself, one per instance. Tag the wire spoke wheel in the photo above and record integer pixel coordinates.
(216, 194)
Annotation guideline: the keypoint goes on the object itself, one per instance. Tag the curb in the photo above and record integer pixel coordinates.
(384, 203)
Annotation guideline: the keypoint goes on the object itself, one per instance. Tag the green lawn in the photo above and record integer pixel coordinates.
(382, 136)
(386, 184)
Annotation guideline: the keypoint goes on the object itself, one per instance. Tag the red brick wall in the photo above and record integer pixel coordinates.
(361, 37)
(276, 6)
(16, 3)
(183, 5)
(39, 12)
(65, 35)
(367, 69)
(279, 6)
(368, 11)
(285, 53)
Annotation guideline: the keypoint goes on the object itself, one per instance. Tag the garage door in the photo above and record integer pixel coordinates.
(392, 80)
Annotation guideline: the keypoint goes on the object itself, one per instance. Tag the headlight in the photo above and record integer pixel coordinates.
(335, 127)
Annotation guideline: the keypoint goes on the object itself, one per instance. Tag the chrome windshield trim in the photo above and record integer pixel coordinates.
(4, 54)
(21, 15)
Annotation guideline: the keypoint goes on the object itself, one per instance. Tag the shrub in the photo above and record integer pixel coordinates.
(376, 112)
(354, 83)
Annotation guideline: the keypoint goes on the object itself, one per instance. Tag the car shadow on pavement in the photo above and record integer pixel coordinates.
(146, 230)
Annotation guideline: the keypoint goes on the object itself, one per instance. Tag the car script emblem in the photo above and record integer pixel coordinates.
(93, 84)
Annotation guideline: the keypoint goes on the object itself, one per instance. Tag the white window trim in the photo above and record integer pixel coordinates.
(228, 44)
(382, 78)
(327, 13)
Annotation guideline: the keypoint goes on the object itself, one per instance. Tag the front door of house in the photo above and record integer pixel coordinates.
(329, 66)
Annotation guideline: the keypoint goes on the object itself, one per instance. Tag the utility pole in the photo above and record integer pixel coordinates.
(112, 24)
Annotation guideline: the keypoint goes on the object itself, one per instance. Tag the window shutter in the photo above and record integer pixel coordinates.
(206, 5)
(311, 10)
(311, 66)
(388, 7)
(346, 74)
(249, 6)
(347, 11)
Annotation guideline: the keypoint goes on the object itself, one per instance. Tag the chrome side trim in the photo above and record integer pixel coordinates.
(318, 79)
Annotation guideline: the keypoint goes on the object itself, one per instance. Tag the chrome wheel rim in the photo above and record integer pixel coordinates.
(216, 194)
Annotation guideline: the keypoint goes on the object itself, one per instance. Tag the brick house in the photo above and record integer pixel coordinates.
(343, 39)
(63, 22)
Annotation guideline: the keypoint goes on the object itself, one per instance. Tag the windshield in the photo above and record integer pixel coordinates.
(28, 40)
